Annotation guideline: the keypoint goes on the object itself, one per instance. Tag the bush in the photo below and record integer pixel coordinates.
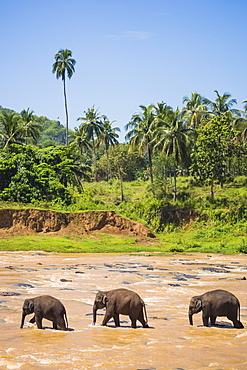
(243, 247)
(25, 177)
(176, 249)
(241, 180)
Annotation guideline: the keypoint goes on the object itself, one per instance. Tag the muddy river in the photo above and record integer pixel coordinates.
(166, 284)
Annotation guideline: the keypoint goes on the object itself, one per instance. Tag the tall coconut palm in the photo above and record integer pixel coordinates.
(92, 127)
(174, 139)
(31, 129)
(64, 64)
(11, 130)
(142, 127)
(108, 137)
(194, 110)
(223, 106)
(161, 110)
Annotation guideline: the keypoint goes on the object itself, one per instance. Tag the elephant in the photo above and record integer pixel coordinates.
(46, 307)
(120, 301)
(216, 303)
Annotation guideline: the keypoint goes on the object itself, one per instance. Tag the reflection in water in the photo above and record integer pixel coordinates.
(166, 284)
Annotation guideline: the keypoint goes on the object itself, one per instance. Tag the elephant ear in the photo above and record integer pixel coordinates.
(198, 304)
(104, 299)
(31, 306)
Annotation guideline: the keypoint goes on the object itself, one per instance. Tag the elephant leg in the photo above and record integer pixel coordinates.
(142, 320)
(212, 320)
(116, 319)
(61, 323)
(106, 319)
(38, 319)
(133, 322)
(236, 323)
(205, 319)
(54, 325)
(240, 325)
(32, 320)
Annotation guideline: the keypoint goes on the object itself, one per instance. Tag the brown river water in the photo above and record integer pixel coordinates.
(166, 284)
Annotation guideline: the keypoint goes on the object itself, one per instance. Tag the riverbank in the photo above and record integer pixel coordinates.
(195, 223)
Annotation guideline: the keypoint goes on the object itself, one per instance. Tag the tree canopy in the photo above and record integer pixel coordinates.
(205, 139)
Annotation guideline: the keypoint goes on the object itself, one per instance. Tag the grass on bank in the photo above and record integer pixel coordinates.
(175, 242)
(222, 232)
(96, 243)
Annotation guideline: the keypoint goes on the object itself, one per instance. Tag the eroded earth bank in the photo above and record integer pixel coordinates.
(45, 221)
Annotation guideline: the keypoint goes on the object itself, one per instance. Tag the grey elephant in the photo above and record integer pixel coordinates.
(46, 307)
(121, 301)
(216, 303)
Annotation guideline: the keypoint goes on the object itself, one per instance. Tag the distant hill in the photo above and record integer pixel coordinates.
(53, 132)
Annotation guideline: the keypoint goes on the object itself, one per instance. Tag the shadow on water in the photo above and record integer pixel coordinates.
(51, 329)
(219, 325)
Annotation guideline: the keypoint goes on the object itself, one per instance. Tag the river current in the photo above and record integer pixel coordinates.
(166, 284)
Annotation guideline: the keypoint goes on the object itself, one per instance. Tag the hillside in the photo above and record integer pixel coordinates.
(52, 133)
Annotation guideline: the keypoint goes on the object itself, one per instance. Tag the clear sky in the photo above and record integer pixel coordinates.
(128, 53)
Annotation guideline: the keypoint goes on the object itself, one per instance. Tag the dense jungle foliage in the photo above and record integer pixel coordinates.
(175, 167)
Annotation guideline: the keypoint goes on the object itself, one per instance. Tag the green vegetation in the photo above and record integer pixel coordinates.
(101, 244)
(182, 172)
(218, 226)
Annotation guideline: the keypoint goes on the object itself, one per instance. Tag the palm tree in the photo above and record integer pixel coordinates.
(108, 137)
(161, 112)
(162, 109)
(245, 105)
(195, 109)
(31, 129)
(240, 124)
(92, 127)
(142, 127)
(174, 139)
(80, 141)
(64, 63)
(223, 106)
(11, 130)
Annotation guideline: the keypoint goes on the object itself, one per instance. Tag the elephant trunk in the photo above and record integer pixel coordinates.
(190, 318)
(22, 320)
(94, 314)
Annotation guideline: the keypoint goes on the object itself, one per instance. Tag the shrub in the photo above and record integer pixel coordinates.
(177, 249)
(243, 247)
(241, 180)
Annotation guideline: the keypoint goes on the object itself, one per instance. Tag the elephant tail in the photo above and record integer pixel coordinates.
(67, 324)
(240, 325)
(145, 312)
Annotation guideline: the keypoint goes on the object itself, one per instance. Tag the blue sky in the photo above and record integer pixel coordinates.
(128, 53)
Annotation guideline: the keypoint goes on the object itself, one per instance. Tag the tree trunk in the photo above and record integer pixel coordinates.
(151, 170)
(109, 167)
(175, 186)
(121, 183)
(94, 161)
(212, 189)
(66, 112)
